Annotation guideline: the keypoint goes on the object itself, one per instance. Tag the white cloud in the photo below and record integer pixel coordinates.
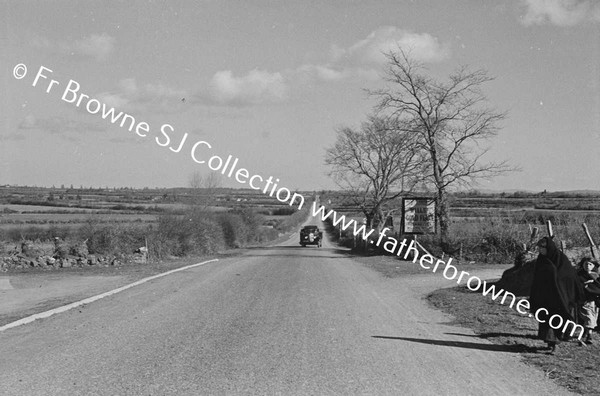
(365, 58)
(331, 72)
(371, 50)
(96, 46)
(560, 12)
(254, 88)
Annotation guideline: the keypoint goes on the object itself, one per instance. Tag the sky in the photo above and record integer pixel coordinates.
(270, 82)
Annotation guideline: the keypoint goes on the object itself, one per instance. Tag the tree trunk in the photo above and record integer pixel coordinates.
(369, 216)
(443, 217)
(377, 218)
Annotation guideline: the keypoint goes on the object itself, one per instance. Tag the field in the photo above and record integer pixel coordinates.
(492, 227)
(39, 206)
(176, 221)
(484, 227)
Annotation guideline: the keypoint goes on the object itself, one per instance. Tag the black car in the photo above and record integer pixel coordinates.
(310, 235)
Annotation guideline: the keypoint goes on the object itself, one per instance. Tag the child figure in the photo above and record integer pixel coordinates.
(588, 313)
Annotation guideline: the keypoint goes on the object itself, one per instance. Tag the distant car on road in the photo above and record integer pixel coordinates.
(311, 235)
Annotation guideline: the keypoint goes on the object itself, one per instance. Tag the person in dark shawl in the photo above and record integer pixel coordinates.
(556, 288)
(588, 312)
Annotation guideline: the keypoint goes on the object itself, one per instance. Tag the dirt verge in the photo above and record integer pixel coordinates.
(573, 367)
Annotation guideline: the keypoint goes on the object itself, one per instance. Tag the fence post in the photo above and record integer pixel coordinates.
(147, 257)
(593, 247)
(549, 228)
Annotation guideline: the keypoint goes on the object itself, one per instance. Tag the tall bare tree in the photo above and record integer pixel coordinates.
(205, 188)
(451, 121)
(196, 180)
(377, 163)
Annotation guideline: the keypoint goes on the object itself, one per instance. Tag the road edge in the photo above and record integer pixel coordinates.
(88, 300)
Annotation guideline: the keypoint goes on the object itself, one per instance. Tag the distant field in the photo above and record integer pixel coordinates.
(25, 209)
(40, 208)
(491, 228)
(70, 218)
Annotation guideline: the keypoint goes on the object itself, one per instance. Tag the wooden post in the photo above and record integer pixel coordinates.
(534, 233)
(593, 247)
(532, 238)
(549, 228)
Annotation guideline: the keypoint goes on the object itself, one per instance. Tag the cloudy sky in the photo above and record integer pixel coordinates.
(268, 82)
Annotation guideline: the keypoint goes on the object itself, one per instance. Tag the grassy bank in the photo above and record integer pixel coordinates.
(572, 366)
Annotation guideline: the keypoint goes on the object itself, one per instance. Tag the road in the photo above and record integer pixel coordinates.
(281, 320)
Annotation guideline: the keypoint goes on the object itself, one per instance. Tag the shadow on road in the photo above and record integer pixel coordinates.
(494, 335)
(530, 336)
(469, 345)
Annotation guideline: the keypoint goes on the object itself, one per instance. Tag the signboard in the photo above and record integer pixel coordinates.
(418, 216)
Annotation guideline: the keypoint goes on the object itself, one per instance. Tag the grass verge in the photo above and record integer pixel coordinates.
(573, 367)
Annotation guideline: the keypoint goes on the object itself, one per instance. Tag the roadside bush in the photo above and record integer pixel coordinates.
(498, 239)
(208, 237)
(111, 238)
(194, 233)
(184, 232)
(163, 241)
(252, 219)
(16, 234)
(235, 231)
(266, 234)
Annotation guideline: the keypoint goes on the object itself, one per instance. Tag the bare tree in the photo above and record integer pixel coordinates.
(205, 187)
(451, 121)
(377, 163)
(196, 180)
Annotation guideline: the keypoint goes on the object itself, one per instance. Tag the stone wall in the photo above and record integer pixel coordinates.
(28, 255)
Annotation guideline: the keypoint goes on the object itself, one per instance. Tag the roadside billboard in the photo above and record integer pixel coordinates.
(418, 216)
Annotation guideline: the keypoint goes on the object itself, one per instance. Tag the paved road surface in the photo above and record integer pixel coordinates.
(281, 320)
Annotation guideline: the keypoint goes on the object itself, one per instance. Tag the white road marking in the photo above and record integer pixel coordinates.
(88, 300)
